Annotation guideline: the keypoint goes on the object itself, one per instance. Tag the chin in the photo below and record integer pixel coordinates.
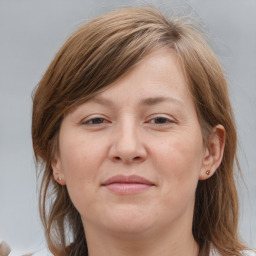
(128, 220)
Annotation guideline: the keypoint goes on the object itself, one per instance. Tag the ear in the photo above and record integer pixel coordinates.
(213, 153)
(57, 170)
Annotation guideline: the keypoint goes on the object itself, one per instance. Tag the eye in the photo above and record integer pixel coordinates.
(97, 120)
(161, 120)
(94, 121)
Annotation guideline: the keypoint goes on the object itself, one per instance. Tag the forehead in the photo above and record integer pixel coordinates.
(158, 77)
(159, 73)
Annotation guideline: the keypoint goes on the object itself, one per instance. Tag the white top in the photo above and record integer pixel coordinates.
(44, 252)
(214, 252)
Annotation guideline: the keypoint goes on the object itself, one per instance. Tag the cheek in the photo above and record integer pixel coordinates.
(179, 161)
(79, 157)
(80, 163)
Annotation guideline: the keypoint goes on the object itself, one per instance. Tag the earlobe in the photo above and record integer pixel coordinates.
(213, 153)
(57, 171)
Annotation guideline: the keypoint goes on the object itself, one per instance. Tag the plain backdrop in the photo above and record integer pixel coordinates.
(31, 32)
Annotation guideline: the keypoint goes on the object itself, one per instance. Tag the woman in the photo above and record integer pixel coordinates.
(134, 131)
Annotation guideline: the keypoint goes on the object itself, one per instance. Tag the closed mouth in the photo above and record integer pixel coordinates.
(121, 184)
(132, 179)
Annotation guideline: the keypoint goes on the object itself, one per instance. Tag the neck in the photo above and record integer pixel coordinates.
(164, 243)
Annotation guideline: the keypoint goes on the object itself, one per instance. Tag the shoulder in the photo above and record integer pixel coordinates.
(214, 252)
(249, 253)
(44, 252)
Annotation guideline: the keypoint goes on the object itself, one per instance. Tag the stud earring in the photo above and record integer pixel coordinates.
(207, 172)
(59, 179)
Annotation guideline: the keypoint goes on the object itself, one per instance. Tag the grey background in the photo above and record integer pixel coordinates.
(31, 32)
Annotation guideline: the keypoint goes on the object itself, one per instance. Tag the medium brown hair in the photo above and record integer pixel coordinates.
(98, 53)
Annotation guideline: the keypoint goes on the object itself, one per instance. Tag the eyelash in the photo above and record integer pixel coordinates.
(161, 119)
(96, 121)
(91, 121)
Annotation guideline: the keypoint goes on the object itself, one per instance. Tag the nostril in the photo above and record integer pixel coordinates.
(136, 158)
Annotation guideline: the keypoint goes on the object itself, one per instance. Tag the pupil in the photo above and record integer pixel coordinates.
(97, 120)
(160, 120)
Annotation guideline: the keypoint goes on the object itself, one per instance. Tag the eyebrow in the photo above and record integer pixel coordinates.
(156, 100)
(102, 101)
(151, 101)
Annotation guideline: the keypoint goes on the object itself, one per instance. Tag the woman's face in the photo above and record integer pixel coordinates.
(131, 157)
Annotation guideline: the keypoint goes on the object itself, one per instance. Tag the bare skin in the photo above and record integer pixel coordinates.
(131, 159)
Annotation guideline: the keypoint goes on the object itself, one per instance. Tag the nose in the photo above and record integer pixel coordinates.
(127, 145)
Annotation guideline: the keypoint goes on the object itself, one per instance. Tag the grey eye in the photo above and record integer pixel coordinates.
(161, 120)
(97, 120)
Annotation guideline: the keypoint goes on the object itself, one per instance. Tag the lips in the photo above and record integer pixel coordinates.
(122, 184)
